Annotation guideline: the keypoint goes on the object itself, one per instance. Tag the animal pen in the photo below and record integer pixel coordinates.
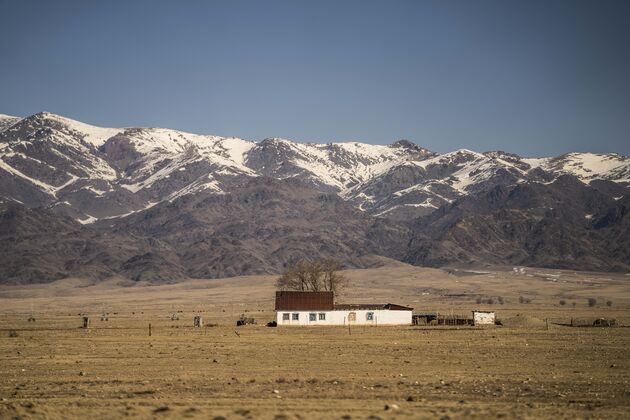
(442, 319)
(451, 319)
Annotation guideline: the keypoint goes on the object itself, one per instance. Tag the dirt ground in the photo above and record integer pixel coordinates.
(54, 369)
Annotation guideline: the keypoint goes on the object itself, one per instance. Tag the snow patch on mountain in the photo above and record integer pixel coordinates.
(587, 166)
(234, 149)
(46, 188)
(91, 134)
(337, 165)
(7, 121)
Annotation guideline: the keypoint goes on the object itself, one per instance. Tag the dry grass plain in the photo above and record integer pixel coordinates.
(54, 369)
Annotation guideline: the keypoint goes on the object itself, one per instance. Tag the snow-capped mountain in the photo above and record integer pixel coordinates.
(160, 205)
(93, 173)
(419, 187)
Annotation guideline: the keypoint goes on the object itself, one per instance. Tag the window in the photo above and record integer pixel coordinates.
(369, 316)
(322, 316)
(312, 317)
(286, 317)
(296, 317)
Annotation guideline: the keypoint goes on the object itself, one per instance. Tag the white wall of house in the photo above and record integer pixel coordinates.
(343, 317)
(483, 318)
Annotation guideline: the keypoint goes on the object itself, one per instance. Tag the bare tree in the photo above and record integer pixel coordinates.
(313, 276)
(332, 280)
(295, 277)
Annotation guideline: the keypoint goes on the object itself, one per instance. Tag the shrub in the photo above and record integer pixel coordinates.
(490, 301)
(500, 300)
(563, 302)
(13, 333)
(592, 302)
(609, 303)
(479, 300)
(522, 299)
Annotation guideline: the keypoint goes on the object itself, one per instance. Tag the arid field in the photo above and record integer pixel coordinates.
(527, 368)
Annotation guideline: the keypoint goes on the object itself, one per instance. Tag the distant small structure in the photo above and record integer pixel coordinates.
(605, 322)
(244, 320)
(519, 270)
(593, 322)
(174, 316)
(483, 317)
(198, 321)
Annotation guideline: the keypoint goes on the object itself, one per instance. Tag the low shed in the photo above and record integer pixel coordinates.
(483, 317)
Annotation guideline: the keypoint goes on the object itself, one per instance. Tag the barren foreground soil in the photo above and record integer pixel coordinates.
(51, 368)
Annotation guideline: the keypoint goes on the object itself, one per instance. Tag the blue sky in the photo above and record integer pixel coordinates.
(530, 77)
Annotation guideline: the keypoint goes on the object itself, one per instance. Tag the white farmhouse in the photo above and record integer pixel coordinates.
(318, 308)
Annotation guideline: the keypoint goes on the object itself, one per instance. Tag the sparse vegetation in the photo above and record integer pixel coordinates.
(489, 300)
(592, 302)
(609, 303)
(240, 372)
(562, 302)
(523, 299)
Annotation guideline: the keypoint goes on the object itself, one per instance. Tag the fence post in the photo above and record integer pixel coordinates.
(149, 329)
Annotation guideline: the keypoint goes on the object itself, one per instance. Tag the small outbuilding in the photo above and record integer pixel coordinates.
(483, 317)
(318, 308)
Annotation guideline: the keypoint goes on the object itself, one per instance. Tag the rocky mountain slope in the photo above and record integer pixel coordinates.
(208, 206)
(563, 224)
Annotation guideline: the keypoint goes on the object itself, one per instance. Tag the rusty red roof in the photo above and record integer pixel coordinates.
(304, 301)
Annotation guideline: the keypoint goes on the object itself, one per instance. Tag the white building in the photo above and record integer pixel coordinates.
(484, 317)
(318, 308)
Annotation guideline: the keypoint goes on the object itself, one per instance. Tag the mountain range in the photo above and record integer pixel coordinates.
(160, 205)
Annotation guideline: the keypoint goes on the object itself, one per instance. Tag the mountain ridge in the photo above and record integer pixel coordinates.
(134, 165)
(112, 184)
